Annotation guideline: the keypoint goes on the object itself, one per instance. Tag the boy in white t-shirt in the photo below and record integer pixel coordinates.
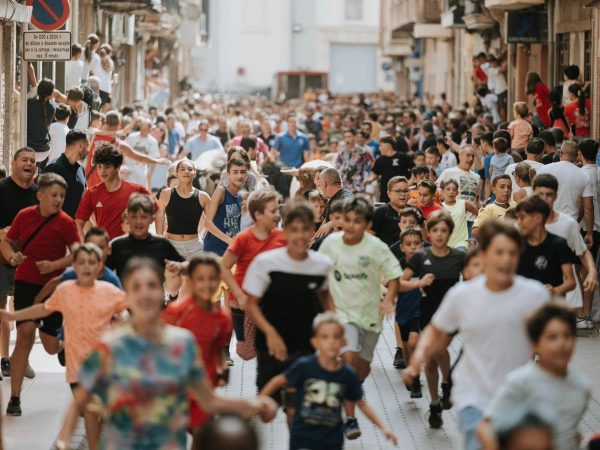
(360, 262)
(58, 132)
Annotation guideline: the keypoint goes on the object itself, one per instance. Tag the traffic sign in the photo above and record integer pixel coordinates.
(47, 46)
(49, 15)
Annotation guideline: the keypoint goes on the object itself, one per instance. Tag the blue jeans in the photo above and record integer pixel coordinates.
(469, 418)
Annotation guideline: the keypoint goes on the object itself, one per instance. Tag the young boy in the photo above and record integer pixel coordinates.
(323, 383)
(297, 274)
(427, 203)
(361, 262)
(385, 219)
(419, 174)
(337, 221)
(58, 132)
(44, 233)
(88, 306)
(319, 202)
(500, 160)
(547, 257)
(520, 130)
(502, 190)
(557, 390)
(433, 159)
(225, 210)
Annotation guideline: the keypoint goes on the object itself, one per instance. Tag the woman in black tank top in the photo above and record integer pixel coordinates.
(183, 207)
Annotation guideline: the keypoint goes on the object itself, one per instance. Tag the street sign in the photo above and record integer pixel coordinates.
(47, 46)
(49, 15)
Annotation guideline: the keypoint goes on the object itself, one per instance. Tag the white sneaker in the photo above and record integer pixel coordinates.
(29, 372)
(583, 323)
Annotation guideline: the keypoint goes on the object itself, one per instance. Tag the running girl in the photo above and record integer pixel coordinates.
(458, 209)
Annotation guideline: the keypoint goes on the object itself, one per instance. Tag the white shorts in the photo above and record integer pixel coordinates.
(360, 341)
(188, 249)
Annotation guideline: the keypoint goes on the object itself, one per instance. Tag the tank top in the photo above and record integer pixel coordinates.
(227, 219)
(183, 214)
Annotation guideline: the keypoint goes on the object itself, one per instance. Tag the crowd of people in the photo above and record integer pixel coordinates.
(138, 242)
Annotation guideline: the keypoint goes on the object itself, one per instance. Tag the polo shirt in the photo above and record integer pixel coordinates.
(291, 150)
(74, 175)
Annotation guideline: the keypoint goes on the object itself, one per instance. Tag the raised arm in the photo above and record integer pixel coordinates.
(137, 156)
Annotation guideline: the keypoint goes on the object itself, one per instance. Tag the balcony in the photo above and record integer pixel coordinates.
(130, 6)
(406, 13)
(512, 4)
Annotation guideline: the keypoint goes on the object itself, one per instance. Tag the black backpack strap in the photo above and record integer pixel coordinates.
(37, 231)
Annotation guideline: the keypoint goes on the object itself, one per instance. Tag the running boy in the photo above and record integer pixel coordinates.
(44, 232)
(548, 384)
(458, 208)
(336, 216)
(502, 190)
(87, 306)
(225, 210)
(385, 219)
(297, 274)
(209, 325)
(323, 383)
(427, 203)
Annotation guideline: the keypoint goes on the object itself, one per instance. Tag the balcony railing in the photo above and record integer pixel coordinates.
(512, 4)
(405, 13)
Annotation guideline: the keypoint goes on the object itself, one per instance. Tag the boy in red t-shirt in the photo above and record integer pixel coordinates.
(210, 326)
(44, 234)
(109, 199)
(264, 235)
(427, 204)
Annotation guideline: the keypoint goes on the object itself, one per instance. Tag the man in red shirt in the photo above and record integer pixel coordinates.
(109, 135)
(44, 234)
(107, 200)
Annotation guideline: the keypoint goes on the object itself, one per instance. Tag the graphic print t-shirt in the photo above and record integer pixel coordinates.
(317, 423)
(543, 262)
(288, 291)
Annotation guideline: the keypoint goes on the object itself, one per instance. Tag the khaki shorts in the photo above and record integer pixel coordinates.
(360, 341)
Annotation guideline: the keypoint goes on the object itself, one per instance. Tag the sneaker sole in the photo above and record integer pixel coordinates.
(353, 435)
(13, 414)
(416, 395)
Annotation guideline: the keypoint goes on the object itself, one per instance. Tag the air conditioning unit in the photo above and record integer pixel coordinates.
(123, 29)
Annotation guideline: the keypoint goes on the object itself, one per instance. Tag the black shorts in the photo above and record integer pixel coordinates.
(503, 99)
(268, 367)
(428, 308)
(7, 281)
(105, 98)
(25, 294)
(238, 317)
(413, 326)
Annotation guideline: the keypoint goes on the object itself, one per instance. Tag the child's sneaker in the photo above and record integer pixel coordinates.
(435, 416)
(446, 400)
(14, 407)
(415, 389)
(228, 359)
(399, 362)
(351, 430)
(5, 365)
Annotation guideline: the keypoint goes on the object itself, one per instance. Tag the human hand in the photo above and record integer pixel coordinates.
(45, 267)
(242, 301)
(426, 280)
(173, 267)
(276, 346)
(323, 230)
(411, 373)
(412, 202)
(266, 408)
(591, 281)
(588, 239)
(5, 316)
(16, 259)
(390, 436)
(386, 307)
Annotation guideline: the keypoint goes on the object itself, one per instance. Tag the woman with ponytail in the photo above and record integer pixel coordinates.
(578, 111)
(105, 74)
(40, 114)
(541, 94)
(91, 59)
(557, 113)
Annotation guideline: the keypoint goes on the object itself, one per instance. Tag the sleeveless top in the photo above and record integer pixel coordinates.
(183, 214)
(227, 219)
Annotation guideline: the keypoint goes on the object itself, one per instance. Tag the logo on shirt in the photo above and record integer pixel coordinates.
(540, 263)
(312, 285)
(395, 162)
(363, 261)
(99, 205)
(337, 275)
(427, 263)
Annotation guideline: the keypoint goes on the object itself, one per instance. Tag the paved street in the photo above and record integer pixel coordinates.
(46, 397)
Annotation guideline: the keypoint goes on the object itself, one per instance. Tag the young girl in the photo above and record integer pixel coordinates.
(445, 264)
(458, 210)
(207, 322)
(106, 75)
(143, 373)
(87, 306)
(91, 59)
(524, 173)
(318, 202)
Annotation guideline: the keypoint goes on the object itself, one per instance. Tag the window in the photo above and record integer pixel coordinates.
(587, 55)
(562, 53)
(354, 9)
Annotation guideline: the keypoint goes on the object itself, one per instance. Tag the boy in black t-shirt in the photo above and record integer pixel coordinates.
(547, 258)
(323, 383)
(386, 218)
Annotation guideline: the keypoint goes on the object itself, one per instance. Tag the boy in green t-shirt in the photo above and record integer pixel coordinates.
(361, 262)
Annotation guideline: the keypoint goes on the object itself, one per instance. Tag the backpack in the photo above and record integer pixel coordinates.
(91, 98)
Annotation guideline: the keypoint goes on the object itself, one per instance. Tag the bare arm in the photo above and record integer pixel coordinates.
(227, 262)
(588, 217)
(388, 305)
(204, 200)
(307, 155)
(80, 225)
(47, 290)
(470, 207)
(275, 385)
(368, 411)
(159, 220)
(568, 280)
(33, 312)
(137, 156)
(52, 266)
(486, 436)
(591, 279)
(432, 343)
(326, 300)
(215, 202)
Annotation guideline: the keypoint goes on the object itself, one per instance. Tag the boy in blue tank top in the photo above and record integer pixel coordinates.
(225, 209)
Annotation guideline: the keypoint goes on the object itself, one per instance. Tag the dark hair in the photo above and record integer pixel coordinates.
(482, 91)
(420, 170)
(546, 180)
(240, 151)
(49, 179)
(502, 176)
(388, 140)
(352, 131)
(589, 149)
(538, 320)
(45, 89)
(488, 137)
(2, 172)
(448, 182)
(571, 72)
(74, 136)
(96, 231)
(298, 209)
(337, 207)
(236, 162)
(75, 93)
(204, 259)
(534, 205)
(578, 92)
(360, 206)
(91, 40)
(471, 253)
(249, 142)
(519, 419)
(170, 178)
(533, 78)
(108, 154)
(412, 211)
(411, 232)
(258, 200)
(140, 202)
(228, 431)
(535, 146)
(433, 151)
(494, 227)
(547, 137)
(500, 145)
(395, 180)
(428, 127)
(558, 134)
(137, 263)
(76, 49)
(505, 134)
(62, 112)
(22, 150)
(429, 185)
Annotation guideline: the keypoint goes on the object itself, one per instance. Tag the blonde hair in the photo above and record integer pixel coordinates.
(107, 62)
(521, 109)
(257, 200)
(88, 247)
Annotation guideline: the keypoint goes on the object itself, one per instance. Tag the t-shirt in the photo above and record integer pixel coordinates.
(86, 312)
(593, 173)
(38, 137)
(460, 234)
(468, 185)
(58, 139)
(107, 206)
(13, 199)
(488, 320)
(342, 194)
(288, 292)
(74, 175)
(73, 72)
(161, 373)
(355, 279)
(388, 167)
(561, 400)
(573, 184)
(543, 262)
(156, 248)
(448, 160)
(510, 171)
(580, 121)
(107, 275)
(146, 145)
(385, 224)
(521, 132)
(49, 244)
(492, 211)
(427, 210)
(196, 145)
(291, 149)
(499, 163)
(320, 394)
(246, 246)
